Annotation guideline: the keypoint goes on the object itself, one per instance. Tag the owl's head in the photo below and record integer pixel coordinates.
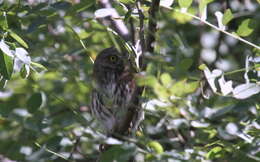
(109, 60)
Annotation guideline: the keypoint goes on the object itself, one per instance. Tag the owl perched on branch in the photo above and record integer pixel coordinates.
(115, 97)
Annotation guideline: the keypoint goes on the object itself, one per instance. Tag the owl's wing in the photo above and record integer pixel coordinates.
(134, 111)
(103, 114)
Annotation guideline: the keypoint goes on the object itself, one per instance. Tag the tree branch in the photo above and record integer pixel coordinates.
(152, 25)
(114, 19)
(141, 26)
(132, 27)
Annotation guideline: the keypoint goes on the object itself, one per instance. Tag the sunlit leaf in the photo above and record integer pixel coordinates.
(232, 128)
(39, 66)
(156, 146)
(183, 18)
(202, 67)
(5, 48)
(22, 55)
(3, 21)
(127, 1)
(198, 124)
(219, 16)
(113, 141)
(166, 3)
(104, 12)
(212, 132)
(185, 3)
(225, 87)
(211, 76)
(215, 152)
(146, 80)
(155, 103)
(18, 39)
(182, 88)
(203, 4)
(228, 16)
(244, 91)
(166, 79)
(204, 13)
(245, 28)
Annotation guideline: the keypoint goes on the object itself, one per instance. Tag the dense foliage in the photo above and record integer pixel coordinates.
(201, 99)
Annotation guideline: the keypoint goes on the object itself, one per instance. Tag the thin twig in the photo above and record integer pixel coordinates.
(152, 25)
(132, 27)
(141, 26)
(117, 24)
(50, 151)
(80, 40)
(216, 28)
(74, 148)
(131, 140)
(223, 31)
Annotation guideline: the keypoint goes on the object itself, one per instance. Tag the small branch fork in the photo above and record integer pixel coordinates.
(117, 24)
(144, 43)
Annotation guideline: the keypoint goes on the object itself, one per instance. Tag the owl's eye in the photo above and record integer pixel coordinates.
(113, 58)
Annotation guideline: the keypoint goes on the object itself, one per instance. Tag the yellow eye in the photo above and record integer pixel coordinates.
(113, 58)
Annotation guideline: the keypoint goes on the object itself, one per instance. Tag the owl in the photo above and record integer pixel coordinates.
(115, 95)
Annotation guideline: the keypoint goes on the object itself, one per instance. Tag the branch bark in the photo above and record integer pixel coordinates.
(141, 26)
(152, 25)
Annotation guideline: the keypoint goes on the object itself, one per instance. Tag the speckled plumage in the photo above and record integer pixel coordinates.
(115, 97)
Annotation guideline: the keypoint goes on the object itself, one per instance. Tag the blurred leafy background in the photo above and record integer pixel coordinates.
(45, 116)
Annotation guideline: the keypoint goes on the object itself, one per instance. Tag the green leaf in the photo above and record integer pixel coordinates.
(117, 153)
(185, 3)
(215, 152)
(202, 67)
(34, 102)
(211, 133)
(185, 64)
(151, 68)
(227, 17)
(166, 79)
(203, 4)
(183, 18)
(6, 65)
(146, 80)
(127, 1)
(127, 15)
(245, 28)
(23, 72)
(2, 83)
(156, 146)
(3, 21)
(161, 91)
(183, 88)
(39, 66)
(18, 39)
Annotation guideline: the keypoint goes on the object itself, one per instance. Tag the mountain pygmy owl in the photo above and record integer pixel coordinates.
(115, 97)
